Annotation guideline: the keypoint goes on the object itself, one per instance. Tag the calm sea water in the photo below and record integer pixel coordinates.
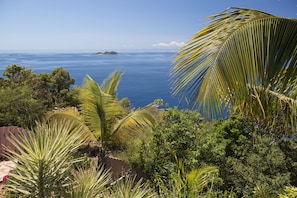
(146, 76)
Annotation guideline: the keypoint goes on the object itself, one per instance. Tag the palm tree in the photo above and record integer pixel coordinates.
(243, 61)
(110, 122)
(106, 117)
(189, 184)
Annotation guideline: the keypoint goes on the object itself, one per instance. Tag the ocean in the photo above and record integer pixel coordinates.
(146, 74)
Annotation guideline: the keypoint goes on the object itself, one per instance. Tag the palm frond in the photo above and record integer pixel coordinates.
(197, 179)
(134, 124)
(224, 64)
(203, 48)
(72, 114)
(111, 83)
(98, 107)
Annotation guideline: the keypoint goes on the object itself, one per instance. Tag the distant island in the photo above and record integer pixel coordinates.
(106, 52)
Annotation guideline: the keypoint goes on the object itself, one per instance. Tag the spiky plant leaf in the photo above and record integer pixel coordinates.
(44, 159)
(90, 182)
(261, 191)
(129, 188)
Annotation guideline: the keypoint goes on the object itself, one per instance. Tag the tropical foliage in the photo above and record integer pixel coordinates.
(127, 187)
(46, 166)
(92, 182)
(26, 96)
(110, 121)
(245, 60)
(45, 159)
(248, 159)
(290, 192)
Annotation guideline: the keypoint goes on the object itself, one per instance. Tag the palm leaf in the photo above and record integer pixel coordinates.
(72, 114)
(197, 179)
(134, 124)
(98, 107)
(111, 83)
(244, 60)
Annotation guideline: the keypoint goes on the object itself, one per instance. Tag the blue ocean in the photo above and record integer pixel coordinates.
(146, 74)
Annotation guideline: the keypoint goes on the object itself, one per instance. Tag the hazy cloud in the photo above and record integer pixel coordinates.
(170, 44)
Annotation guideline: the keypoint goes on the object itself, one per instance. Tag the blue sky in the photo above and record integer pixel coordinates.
(86, 25)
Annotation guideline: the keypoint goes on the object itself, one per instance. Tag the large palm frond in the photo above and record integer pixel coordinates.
(244, 60)
(134, 123)
(44, 159)
(98, 107)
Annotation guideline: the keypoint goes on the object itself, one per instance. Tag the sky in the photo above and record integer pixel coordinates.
(86, 25)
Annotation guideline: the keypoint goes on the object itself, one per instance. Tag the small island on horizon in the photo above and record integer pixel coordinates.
(106, 52)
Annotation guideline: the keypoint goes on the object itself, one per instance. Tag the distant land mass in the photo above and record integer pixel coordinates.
(107, 52)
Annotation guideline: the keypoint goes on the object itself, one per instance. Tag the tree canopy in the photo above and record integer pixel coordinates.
(26, 96)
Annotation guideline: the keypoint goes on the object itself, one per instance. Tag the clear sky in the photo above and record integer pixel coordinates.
(67, 25)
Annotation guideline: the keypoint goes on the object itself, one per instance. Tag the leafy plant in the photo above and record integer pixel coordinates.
(127, 187)
(44, 159)
(93, 182)
(193, 183)
(104, 115)
(244, 60)
(290, 192)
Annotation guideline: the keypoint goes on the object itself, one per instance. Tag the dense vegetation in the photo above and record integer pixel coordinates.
(247, 156)
(250, 154)
(26, 96)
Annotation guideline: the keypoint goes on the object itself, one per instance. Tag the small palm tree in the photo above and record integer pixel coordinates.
(45, 159)
(102, 114)
(245, 60)
(106, 117)
(188, 184)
